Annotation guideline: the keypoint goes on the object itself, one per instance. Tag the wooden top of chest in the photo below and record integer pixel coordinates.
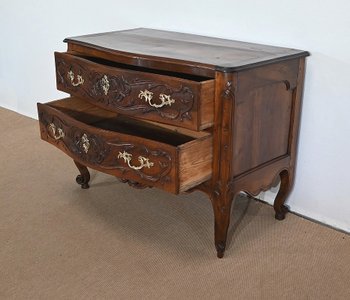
(200, 51)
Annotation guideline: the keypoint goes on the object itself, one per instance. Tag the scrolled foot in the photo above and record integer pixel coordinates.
(82, 181)
(281, 214)
(280, 208)
(84, 177)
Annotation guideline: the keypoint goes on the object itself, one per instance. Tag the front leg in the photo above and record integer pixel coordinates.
(84, 177)
(222, 204)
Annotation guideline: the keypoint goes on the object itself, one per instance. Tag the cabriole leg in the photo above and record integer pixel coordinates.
(84, 177)
(222, 213)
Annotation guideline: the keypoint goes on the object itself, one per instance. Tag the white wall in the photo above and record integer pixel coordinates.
(31, 30)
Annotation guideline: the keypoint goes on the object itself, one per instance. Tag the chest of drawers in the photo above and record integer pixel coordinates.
(179, 112)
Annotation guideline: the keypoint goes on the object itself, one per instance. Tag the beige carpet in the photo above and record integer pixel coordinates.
(115, 242)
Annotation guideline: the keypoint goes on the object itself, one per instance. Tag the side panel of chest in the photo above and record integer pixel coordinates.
(263, 114)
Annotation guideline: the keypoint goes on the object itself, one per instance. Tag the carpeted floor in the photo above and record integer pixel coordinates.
(115, 242)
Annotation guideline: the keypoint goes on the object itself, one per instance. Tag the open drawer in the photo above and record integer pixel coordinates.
(166, 157)
(171, 98)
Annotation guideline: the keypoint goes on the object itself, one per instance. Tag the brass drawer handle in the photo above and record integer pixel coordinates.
(147, 95)
(85, 143)
(57, 133)
(71, 76)
(144, 162)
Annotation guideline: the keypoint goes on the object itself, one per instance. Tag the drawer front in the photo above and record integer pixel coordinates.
(155, 97)
(149, 163)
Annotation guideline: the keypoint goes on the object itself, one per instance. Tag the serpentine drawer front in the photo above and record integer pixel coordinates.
(167, 99)
(180, 112)
(132, 150)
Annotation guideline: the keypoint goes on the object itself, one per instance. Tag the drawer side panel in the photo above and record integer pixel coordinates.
(195, 163)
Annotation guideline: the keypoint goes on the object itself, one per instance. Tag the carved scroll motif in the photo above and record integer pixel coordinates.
(121, 92)
(96, 150)
(228, 90)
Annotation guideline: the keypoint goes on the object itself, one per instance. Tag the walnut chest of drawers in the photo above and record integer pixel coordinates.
(179, 112)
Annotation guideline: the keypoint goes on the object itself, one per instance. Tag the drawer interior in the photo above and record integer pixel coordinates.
(87, 113)
(109, 63)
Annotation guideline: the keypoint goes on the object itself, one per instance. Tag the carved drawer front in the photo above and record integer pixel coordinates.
(136, 151)
(181, 100)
